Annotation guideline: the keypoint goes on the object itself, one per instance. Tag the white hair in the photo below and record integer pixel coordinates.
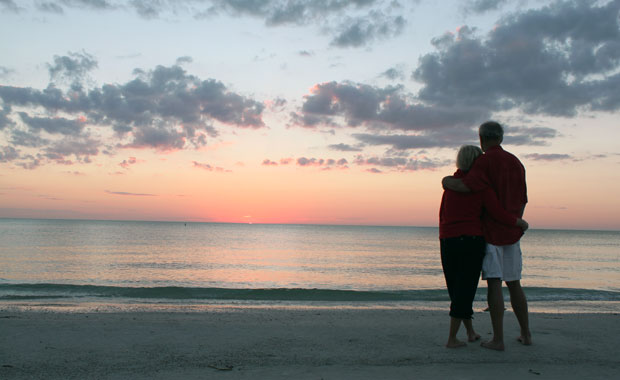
(466, 156)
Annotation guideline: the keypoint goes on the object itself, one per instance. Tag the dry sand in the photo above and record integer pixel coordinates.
(298, 344)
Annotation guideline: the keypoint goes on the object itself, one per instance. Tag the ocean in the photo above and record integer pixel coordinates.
(76, 265)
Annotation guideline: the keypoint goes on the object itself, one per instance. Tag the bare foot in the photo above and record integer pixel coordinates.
(493, 345)
(525, 340)
(455, 344)
(472, 337)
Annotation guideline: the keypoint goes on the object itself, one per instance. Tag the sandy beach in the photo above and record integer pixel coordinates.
(272, 343)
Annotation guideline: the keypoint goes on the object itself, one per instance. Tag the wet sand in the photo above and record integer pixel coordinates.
(272, 343)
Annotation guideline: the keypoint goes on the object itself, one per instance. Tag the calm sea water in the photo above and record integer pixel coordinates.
(117, 261)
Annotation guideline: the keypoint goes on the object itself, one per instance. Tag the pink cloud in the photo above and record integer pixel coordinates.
(210, 168)
(130, 161)
(322, 162)
(130, 194)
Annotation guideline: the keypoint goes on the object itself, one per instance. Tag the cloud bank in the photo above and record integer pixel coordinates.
(164, 109)
(400, 164)
(555, 61)
(560, 60)
(374, 20)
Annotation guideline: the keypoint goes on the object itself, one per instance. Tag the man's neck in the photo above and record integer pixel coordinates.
(490, 145)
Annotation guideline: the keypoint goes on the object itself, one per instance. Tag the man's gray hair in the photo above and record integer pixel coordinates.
(491, 130)
(466, 156)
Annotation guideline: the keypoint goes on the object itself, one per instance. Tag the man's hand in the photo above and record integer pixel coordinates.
(522, 224)
(455, 184)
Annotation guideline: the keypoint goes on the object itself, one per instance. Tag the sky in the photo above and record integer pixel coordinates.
(313, 112)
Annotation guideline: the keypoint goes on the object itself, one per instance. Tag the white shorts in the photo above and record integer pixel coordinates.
(503, 262)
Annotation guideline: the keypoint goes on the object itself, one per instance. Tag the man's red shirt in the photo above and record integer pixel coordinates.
(505, 174)
(460, 213)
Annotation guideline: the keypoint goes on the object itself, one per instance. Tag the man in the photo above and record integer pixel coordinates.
(504, 173)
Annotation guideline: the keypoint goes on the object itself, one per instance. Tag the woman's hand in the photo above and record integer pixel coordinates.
(522, 224)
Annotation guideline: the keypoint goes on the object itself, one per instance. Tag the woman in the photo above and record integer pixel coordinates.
(462, 243)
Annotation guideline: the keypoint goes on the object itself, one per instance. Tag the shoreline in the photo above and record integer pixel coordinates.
(103, 305)
(297, 343)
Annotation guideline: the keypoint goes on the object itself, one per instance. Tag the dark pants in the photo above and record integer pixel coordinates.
(461, 259)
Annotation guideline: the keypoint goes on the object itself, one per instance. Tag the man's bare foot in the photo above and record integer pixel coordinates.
(493, 345)
(455, 344)
(525, 340)
(472, 337)
(487, 309)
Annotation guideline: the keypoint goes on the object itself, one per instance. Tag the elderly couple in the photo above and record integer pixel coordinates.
(479, 229)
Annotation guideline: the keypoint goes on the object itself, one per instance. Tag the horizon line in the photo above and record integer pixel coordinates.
(278, 224)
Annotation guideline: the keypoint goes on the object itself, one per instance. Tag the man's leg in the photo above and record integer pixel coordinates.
(519, 306)
(495, 299)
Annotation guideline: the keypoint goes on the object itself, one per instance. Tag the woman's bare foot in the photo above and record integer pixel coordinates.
(455, 343)
(526, 340)
(493, 345)
(472, 337)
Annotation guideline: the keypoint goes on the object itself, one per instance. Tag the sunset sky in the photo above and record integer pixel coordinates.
(291, 111)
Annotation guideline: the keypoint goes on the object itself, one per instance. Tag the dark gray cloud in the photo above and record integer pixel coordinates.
(325, 163)
(401, 163)
(277, 104)
(381, 108)
(72, 67)
(386, 111)
(5, 72)
(164, 109)
(384, 161)
(53, 125)
(147, 9)
(528, 135)
(5, 121)
(9, 5)
(8, 153)
(164, 93)
(29, 161)
(50, 7)
(556, 61)
(403, 142)
(548, 157)
(75, 173)
(345, 148)
(82, 148)
(372, 20)
(268, 162)
(125, 164)
(393, 73)
(481, 6)
(356, 32)
(287, 12)
(184, 59)
(532, 136)
(159, 137)
(27, 139)
(93, 4)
